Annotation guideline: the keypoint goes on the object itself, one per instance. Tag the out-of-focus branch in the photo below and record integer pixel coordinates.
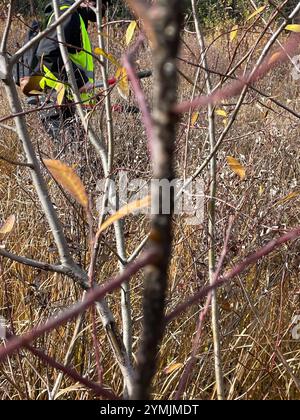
(265, 63)
(235, 271)
(141, 9)
(165, 18)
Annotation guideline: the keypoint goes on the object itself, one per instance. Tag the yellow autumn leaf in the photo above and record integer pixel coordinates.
(293, 28)
(123, 85)
(172, 368)
(194, 118)
(130, 31)
(289, 197)
(234, 32)
(108, 56)
(8, 226)
(125, 211)
(221, 113)
(68, 179)
(61, 90)
(257, 12)
(236, 167)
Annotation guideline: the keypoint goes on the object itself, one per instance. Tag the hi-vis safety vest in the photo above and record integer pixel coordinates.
(82, 59)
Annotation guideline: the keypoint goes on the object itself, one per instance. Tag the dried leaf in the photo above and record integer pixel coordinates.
(68, 179)
(130, 31)
(221, 113)
(274, 57)
(110, 57)
(125, 211)
(194, 118)
(123, 85)
(257, 12)
(172, 368)
(225, 305)
(68, 390)
(35, 92)
(8, 226)
(293, 28)
(289, 197)
(61, 90)
(233, 33)
(236, 167)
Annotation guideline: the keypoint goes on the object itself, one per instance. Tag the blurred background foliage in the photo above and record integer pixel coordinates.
(210, 11)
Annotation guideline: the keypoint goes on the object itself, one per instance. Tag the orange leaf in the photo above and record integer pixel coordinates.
(236, 167)
(68, 179)
(194, 118)
(274, 57)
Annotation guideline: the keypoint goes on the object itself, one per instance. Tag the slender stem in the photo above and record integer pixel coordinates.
(103, 309)
(118, 226)
(7, 28)
(212, 216)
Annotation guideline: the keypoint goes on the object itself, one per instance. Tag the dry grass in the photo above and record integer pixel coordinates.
(256, 309)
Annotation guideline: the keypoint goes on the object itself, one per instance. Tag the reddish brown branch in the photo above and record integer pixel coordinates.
(92, 296)
(238, 269)
(97, 389)
(235, 88)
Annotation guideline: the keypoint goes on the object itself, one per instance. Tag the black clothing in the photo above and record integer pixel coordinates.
(26, 66)
(48, 50)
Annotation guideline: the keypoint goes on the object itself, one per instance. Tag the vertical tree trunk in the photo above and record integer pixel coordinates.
(165, 19)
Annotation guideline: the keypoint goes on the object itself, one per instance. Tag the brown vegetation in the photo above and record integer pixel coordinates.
(256, 309)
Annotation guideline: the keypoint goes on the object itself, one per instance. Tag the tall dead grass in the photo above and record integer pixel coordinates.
(256, 309)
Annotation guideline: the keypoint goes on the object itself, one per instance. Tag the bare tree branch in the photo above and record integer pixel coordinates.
(166, 18)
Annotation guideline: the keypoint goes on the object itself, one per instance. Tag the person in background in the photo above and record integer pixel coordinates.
(51, 65)
(75, 29)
